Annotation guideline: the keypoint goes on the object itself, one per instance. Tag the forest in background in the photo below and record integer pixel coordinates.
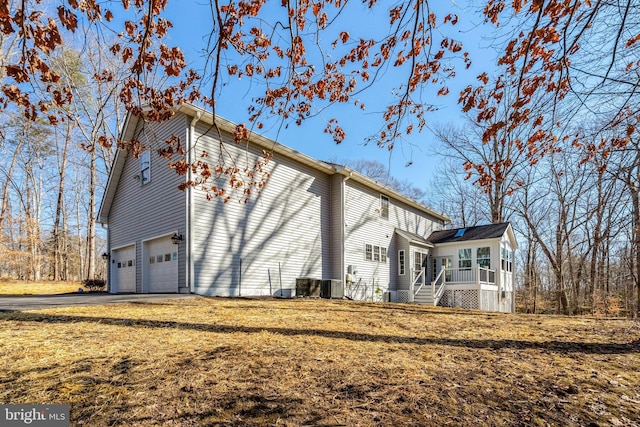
(550, 142)
(53, 176)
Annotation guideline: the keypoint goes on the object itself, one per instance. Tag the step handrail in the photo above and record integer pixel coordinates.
(421, 275)
(437, 293)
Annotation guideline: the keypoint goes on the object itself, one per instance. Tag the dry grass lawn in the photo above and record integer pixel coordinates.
(22, 287)
(246, 362)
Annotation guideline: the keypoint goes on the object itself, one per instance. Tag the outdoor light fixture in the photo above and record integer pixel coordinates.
(176, 238)
(105, 256)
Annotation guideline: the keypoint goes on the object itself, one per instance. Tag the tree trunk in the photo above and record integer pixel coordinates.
(57, 240)
(636, 244)
(91, 220)
(5, 191)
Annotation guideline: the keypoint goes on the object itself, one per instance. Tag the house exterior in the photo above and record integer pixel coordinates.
(312, 221)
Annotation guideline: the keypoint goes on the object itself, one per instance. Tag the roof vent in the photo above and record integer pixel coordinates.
(460, 232)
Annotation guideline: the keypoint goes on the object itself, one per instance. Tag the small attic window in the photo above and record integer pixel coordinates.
(460, 232)
(145, 167)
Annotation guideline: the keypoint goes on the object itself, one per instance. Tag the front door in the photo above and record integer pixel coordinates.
(419, 263)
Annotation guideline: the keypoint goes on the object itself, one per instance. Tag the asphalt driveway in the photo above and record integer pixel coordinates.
(38, 302)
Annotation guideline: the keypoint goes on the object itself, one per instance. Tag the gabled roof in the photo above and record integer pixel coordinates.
(479, 232)
(199, 114)
(413, 238)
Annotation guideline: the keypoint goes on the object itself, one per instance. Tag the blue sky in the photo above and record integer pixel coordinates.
(192, 25)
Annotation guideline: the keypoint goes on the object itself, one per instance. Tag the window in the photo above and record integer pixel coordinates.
(159, 258)
(376, 253)
(483, 257)
(152, 260)
(464, 258)
(506, 258)
(145, 167)
(130, 263)
(384, 207)
(401, 262)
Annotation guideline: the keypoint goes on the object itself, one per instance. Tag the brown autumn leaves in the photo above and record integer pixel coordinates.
(548, 69)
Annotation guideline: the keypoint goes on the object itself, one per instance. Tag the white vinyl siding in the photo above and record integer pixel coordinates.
(282, 232)
(142, 212)
(364, 225)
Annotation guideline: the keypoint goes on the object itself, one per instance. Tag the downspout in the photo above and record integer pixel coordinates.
(189, 221)
(343, 205)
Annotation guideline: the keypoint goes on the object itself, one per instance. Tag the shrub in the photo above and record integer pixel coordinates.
(95, 285)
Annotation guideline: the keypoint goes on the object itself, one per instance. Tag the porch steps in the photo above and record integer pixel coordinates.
(424, 296)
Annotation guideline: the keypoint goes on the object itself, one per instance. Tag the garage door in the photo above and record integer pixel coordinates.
(123, 269)
(162, 265)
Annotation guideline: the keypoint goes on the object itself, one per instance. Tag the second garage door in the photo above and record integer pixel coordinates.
(162, 266)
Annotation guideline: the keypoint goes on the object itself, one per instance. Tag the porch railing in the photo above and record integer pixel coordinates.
(477, 275)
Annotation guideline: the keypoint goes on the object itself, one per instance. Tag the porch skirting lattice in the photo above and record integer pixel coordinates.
(475, 299)
(468, 298)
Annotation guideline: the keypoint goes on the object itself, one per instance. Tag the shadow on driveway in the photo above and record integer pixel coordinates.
(38, 302)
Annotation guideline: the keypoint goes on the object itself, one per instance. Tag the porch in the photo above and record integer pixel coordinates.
(456, 287)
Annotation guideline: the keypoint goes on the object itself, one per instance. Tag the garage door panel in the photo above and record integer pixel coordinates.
(124, 269)
(162, 268)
